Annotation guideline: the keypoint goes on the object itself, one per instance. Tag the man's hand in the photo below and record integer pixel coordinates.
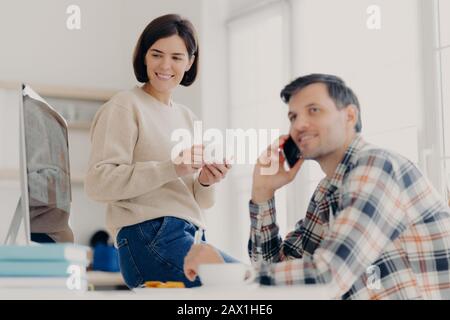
(269, 173)
(213, 173)
(200, 254)
(189, 160)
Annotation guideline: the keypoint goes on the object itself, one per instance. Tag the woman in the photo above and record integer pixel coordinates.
(154, 204)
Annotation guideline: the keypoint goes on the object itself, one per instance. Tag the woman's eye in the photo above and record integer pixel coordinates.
(313, 110)
(156, 55)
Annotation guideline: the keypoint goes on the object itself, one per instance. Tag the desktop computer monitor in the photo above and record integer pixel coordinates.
(44, 204)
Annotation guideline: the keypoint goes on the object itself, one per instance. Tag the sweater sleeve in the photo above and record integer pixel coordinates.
(112, 174)
(204, 195)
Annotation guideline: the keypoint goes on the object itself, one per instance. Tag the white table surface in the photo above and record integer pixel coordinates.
(100, 278)
(254, 292)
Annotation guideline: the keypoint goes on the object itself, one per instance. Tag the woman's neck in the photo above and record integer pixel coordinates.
(163, 97)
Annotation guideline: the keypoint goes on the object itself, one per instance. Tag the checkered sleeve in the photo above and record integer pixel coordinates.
(370, 217)
(265, 242)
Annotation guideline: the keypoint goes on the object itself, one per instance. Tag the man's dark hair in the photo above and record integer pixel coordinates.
(164, 27)
(337, 90)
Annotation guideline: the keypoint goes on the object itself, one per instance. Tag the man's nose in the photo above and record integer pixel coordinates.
(300, 123)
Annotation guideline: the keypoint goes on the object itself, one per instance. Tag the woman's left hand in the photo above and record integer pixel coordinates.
(213, 173)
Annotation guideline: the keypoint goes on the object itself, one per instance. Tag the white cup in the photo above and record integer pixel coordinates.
(226, 274)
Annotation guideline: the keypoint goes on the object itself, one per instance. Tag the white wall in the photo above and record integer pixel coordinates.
(238, 7)
(214, 83)
(9, 157)
(382, 66)
(37, 47)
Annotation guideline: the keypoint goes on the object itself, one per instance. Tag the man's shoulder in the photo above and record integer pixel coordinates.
(382, 158)
(370, 150)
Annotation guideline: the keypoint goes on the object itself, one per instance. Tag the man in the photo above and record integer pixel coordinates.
(375, 227)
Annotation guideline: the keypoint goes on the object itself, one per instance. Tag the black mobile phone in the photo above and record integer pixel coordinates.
(291, 152)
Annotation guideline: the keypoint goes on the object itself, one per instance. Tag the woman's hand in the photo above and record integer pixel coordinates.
(213, 173)
(189, 160)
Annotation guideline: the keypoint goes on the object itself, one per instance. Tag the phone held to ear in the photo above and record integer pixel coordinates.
(291, 152)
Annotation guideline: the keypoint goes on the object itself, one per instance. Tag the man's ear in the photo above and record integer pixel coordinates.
(191, 62)
(352, 115)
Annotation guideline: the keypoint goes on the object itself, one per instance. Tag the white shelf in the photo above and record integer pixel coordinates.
(63, 91)
(13, 175)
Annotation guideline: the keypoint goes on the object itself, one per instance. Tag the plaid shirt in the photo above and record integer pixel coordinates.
(389, 237)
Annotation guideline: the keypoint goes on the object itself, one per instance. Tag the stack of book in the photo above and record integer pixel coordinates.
(46, 266)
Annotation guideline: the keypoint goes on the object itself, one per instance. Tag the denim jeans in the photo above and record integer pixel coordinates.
(41, 238)
(154, 250)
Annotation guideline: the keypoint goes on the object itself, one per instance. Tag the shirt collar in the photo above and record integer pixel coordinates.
(329, 186)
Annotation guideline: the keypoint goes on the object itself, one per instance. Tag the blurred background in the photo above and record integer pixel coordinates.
(395, 54)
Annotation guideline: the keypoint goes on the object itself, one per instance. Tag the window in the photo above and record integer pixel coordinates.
(259, 69)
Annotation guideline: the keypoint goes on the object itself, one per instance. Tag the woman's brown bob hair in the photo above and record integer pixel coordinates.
(164, 27)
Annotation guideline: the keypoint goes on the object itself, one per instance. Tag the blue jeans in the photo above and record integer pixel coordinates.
(154, 250)
(41, 238)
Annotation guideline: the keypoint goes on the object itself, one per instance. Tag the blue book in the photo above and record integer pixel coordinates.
(50, 252)
(41, 268)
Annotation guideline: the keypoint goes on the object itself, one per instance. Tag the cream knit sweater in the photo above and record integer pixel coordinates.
(130, 167)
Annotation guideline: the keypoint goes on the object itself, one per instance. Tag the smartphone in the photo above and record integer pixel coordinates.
(291, 152)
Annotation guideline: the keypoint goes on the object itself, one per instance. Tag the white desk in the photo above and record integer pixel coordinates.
(241, 293)
(105, 279)
(308, 292)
